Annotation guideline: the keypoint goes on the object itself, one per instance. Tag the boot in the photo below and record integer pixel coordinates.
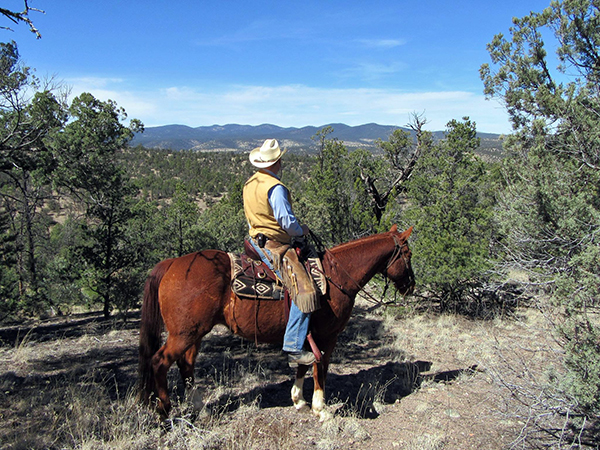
(304, 358)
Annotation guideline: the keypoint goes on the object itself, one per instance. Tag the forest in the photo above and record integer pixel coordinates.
(84, 216)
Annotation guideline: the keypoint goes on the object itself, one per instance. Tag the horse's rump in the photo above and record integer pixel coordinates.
(151, 327)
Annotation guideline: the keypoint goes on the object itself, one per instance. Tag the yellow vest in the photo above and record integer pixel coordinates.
(259, 213)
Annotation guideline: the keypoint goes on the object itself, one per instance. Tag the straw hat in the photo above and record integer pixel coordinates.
(266, 155)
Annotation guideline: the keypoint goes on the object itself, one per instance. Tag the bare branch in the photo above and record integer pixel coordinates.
(22, 16)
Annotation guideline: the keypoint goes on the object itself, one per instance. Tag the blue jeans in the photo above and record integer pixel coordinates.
(298, 322)
(296, 330)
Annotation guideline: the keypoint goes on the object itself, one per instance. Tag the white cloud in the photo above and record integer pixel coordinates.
(93, 82)
(135, 104)
(382, 43)
(370, 71)
(297, 105)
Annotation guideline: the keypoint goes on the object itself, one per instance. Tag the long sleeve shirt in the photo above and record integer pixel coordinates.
(282, 209)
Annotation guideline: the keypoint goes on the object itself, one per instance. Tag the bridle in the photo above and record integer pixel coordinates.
(396, 254)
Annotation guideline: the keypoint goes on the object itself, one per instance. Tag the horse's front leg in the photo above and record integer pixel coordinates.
(320, 376)
(298, 388)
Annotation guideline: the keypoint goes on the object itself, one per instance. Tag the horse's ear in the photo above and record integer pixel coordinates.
(407, 233)
(394, 228)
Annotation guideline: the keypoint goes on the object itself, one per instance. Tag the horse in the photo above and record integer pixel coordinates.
(191, 294)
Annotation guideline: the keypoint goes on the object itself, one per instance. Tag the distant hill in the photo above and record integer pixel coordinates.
(234, 137)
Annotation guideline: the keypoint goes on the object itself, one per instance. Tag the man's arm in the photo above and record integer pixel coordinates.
(282, 210)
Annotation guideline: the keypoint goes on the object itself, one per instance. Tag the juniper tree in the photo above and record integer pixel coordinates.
(451, 210)
(91, 172)
(550, 209)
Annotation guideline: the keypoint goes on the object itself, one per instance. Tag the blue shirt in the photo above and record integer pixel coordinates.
(282, 209)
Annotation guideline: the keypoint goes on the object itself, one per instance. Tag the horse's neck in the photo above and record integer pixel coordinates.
(356, 262)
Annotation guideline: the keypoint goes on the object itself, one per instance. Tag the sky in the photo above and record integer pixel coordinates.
(287, 63)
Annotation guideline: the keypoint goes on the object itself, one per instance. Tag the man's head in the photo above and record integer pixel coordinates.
(267, 155)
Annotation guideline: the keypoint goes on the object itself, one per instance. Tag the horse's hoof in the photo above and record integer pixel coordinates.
(163, 409)
(301, 405)
(323, 415)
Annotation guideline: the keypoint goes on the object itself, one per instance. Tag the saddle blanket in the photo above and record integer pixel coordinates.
(252, 279)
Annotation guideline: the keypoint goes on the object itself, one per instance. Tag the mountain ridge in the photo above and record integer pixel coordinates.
(235, 137)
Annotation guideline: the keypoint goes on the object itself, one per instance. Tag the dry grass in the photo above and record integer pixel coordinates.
(74, 389)
(514, 359)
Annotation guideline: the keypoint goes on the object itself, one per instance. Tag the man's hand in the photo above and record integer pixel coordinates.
(305, 230)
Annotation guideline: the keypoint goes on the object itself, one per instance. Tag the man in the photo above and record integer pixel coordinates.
(272, 224)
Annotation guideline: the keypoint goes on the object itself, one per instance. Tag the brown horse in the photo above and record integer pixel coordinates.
(192, 294)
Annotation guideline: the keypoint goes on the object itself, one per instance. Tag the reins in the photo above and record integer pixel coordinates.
(377, 303)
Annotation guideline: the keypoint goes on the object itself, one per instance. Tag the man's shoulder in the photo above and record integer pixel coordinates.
(265, 177)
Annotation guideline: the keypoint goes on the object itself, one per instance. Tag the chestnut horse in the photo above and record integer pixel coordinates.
(191, 294)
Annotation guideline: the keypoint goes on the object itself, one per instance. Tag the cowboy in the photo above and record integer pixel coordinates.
(272, 224)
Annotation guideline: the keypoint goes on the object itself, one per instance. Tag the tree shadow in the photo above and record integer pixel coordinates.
(225, 360)
(72, 326)
(355, 394)
(115, 370)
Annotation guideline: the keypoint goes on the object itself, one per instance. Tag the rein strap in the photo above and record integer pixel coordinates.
(377, 303)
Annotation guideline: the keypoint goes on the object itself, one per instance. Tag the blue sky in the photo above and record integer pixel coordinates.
(288, 63)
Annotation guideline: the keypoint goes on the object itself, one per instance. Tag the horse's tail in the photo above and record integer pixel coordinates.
(150, 330)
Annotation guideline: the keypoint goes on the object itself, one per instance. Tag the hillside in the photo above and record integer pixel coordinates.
(234, 137)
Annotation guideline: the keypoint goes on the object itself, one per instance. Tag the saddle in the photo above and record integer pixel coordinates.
(251, 278)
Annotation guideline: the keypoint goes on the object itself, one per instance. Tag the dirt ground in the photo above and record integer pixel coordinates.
(423, 382)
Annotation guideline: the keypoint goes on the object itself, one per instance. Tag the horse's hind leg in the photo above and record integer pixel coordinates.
(162, 360)
(186, 367)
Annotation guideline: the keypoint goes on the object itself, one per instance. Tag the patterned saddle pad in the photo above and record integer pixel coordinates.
(253, 279)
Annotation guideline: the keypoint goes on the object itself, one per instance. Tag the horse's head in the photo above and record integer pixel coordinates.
(398, 268)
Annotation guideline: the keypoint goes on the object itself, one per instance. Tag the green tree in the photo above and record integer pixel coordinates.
(28, 116)
(63, 274)
(182, 214)
(550, 209)
(326, 204)
(8, 275)
(90, 171)
(451, 210)
(333, 201)
(223, 226)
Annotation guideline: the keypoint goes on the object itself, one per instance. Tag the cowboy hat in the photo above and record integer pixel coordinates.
(266, 155)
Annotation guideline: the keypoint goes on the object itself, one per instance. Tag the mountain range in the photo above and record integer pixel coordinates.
(235, 137)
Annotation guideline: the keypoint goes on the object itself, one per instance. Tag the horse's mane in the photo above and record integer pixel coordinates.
(360, 242)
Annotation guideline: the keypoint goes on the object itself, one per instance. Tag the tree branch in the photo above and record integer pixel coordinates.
(23, 16)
